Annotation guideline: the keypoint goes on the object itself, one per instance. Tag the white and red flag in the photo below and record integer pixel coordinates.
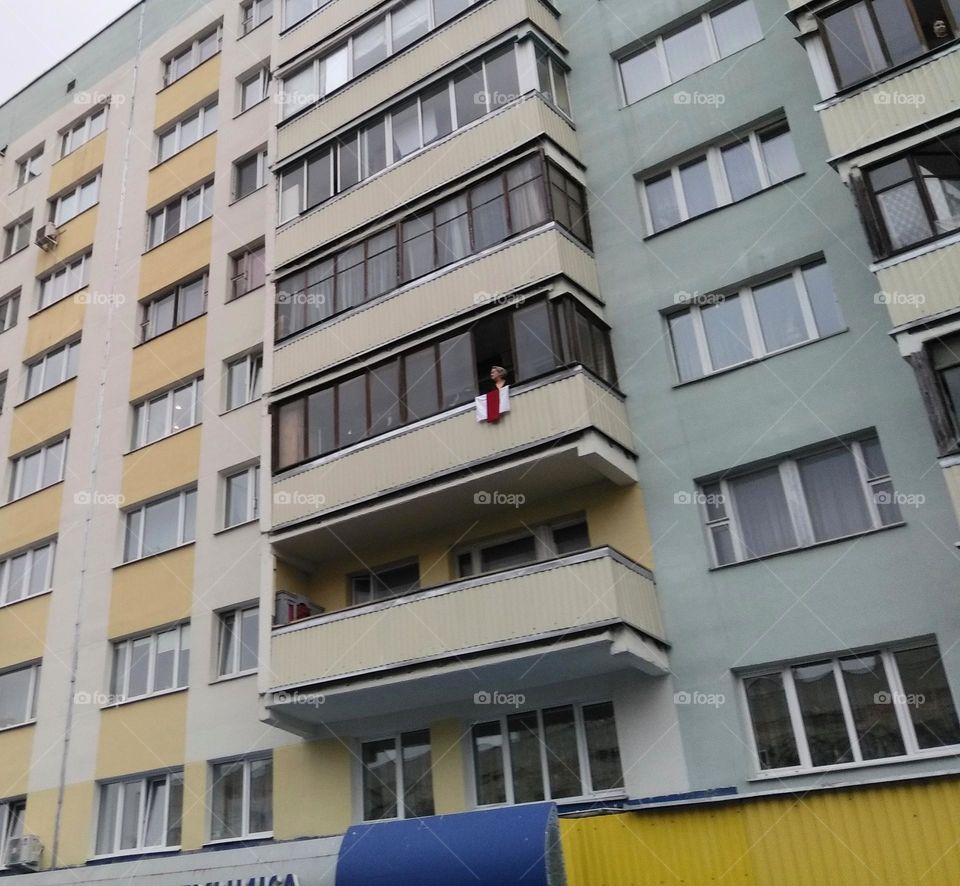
(492, 405)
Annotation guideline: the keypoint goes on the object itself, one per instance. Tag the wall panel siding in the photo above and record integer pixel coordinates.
(189, 91)
(79, 163)
(922, 286)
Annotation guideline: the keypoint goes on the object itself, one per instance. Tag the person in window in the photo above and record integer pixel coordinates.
(498, 375)
(494, 403)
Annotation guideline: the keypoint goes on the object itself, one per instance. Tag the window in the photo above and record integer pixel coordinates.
(12, 814)
(18, 695)
(140, 813)
(254, 13)
(876, 705)
(248, 270)
(161, 525)
(384, 583)
(254, 88)
(243, 380)
(167, 413)
(26, 574)
(150, 664)
(557, 753)
(188, 57)
(165, 312)
(553, 79)
(524, 547)
(89, 127)
(695, 45)
(28, 168)
(75, 201)
(868, 37)
(726, 174)
(241, 496)
(397, 777)
(497, 208)
(178, 215)
(67, 279)
(3, 390)
(38, 469)
(52, 369)
(237, 641)
(9, 310)
(242, 799)
(754, 321)
(916, 197)
(435, 112)
(249, 174)
(938, 372)
(16, 236)
(840, 490)
(187, 131)
(297, 10)
(440, 376)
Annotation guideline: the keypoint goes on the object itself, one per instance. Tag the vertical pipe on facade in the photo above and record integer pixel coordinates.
(112, 306)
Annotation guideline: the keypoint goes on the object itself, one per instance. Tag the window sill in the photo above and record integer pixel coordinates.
(129, 701)
(161, 439)
(153, 338)
(15, 253)
(233, 841)
(818, 544)
(61, 299)
(22, 725)
(30, 494)
(132, 854)
(146, 557)
(160, 163)
(599, 797)
(754, 361)
(716, 209)
(237, 200)
(229, 678)
(60, 225)
(234, 298)
(59, 384)
(25, 599)
(150, 249)
(225, 529)
(944, 240)
(777, 774)
(255, 28)
(255, 105)
(233, 409)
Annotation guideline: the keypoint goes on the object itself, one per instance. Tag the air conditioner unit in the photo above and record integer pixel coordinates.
(23, 853)
(294, 607)
(48, 236)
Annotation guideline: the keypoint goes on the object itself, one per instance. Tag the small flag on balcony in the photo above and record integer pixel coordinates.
(492, 405)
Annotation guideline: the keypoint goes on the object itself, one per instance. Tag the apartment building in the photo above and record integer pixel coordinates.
(296, 590)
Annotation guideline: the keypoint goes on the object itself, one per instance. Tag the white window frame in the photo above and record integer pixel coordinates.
(181, 202)
(543, 542)
(16, 475)
(251, 15)
(397, 739)
(317, 4)
(65, 270)
(70, 352)
(28, 166)
(141, 410)
(718, 176)
(245, 833)
(12, 814)
(3, 389)
(200, 116)
(80, 133)
(9, 310)
(252, 359)
(237, 614)
(145, 781)
(262, 75)
(263, 173)
(583, 756)
(148, 308)
(898, 698)
(14, 240)
(30, 710)
(751, 319)
(797, 505)
(242, 259)
(181, 496)
(57, 213)
(193, 48)
(252, 513)
(120, 684)
(30, 554)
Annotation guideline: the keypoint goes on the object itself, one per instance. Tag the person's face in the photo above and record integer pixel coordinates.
(494, 375)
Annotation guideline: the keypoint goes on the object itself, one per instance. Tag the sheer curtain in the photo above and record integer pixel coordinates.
(765, 524)
(834, 494)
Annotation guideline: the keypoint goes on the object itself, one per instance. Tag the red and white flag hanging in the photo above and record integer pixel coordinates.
(492, 405)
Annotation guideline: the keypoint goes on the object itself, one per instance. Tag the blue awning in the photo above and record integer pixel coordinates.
(513, 846)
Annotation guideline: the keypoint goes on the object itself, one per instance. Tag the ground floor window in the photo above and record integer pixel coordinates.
(242, 799)
(140, 813)
(397, 779)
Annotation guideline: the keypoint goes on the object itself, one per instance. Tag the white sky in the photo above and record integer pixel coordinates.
(36, 34)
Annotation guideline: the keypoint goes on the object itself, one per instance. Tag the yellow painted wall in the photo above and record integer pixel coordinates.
(16, 746)
(167, 464)
(78, 164)
(176, 259)
(43, 417)
(54, 324)
(76, 832)
(311, 789)
(152, 592)
(32, 518)
(182, 170)
(447, 739)
(195, 816)
(23, 631)
(74, 236)
(188, 92)
(144, 735)
(904, 834)
(168, 358)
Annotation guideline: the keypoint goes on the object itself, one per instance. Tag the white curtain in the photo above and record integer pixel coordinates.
(765, 524)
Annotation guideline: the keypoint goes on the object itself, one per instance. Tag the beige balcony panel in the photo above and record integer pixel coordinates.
(542, 256)
(571, 403)
(468, 149)
(913, 98)
(585, 591)
(923, 286)
(442, 48)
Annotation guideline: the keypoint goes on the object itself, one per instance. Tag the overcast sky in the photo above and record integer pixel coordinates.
(36, 34)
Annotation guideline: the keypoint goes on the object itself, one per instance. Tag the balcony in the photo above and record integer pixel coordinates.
(582, 615)
(922, 284)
